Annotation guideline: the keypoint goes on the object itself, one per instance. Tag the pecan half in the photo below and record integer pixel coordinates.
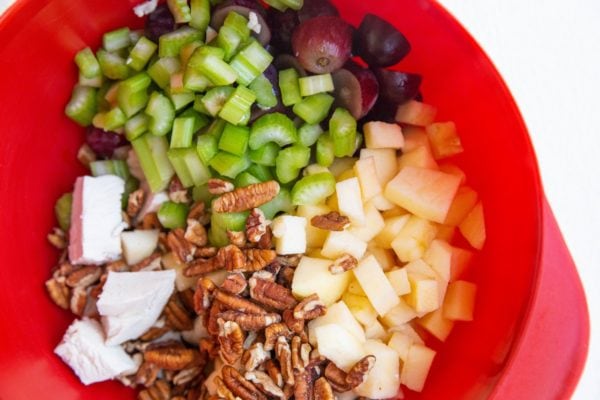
(183, 249)
(297, 362)
(257, 259)
(251, 322)
(209, 347)
(154, 333)
(237, 238)
(198, 212)
(223, 391)
(264, 382)
(150, 221)
(344, 263)
(58, 239)
(231, 338)
(286, 276)
(59, 292)
(78, 301)
(248, 260)
(303, 389)
(146, 374)
(237, 303)
(206, 252)
(219, 186)
(150, 263)
(323, 390)
(284, 356)
(213, 315)
(135, 201)
(359, 371)
(246, 198)
(170, 355)
(272, 334)
(336, 377)
(203, 295)
(256, 225)
(178, 193)
(235, 283)
(266, 240)
(255, 356)
(201, 266)
(177, 315)
(274, 372)
(117, 266)
(271, 294)
(296, 325)
(195, 233)
(161, 390)
(310, 308)
(332, 221)
(240, 386)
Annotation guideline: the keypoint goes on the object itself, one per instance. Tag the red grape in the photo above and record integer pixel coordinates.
(103, 143)
(315, 8)
(283, 25)
(356, 89)
(243, 7)
(159, 22)
(397, 87)
(379, 43)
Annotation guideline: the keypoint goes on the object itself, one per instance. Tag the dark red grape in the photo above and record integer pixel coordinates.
(397, 87)
(103, 143)
(316, 8)
(243, 7)
(381, 111)
(356, 89)
(159, 22)
(322, 44)
(285, 61)
(283, 25)
(379, 43)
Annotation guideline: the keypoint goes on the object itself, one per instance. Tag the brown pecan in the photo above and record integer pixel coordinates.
(240, 386)
(219, 186)
(359, 371)
(290, 260)
(257, 259)
(266, 241)
(185, 376)
(209, 347)
(256, 225)
(150, 221)
(288, 391)
(150, 263)
(237, 238)
(183, 249)
(177, 316)
(344, 263)
(161, 390)
(264, 382)
(186, 297)
(305, 350)
(235, 283)
(251, 322)
(117, 266)
(303, 389)
(177, 192)
(285, 276)
(274, 372)
(154, 333)
(170, 355)
(231, 257)
(63, 269)
(86, 155)
(310, 308)
(198, 212)
(206, 252)
(195, 233)
(59, 292)
(231, 338)
(78, 301)
(223, 391)
(322, 390)
(273, 332)
(58, 239)
(147, 373)
(255, 356)
(332, 221)
(246, 198)
(337, 378)
(237, 303)
(284, 356)
(213, 315)
(201, 266)
(297, 362)
(271, 294)
(135, 201)
(295, 325)
(203, 295)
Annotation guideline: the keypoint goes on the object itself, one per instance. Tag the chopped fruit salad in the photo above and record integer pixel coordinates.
(270, 210)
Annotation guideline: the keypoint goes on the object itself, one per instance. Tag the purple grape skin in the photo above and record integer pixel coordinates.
(397, 87)
(159, 22)
(379, 43)
(103, 143)
(315, 8)
(282, 26)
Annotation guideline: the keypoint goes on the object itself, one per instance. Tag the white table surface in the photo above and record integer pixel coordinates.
(548, 51)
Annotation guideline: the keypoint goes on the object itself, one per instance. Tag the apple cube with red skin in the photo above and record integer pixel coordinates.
(382, 135)
(473, 227)
(444, 140)
(461, 259)
(463, 203)
(420, 157)
(415, 112)
(460, 301)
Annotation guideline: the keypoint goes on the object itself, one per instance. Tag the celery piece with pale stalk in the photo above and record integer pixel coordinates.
(273, 127)
(234, 139)
(313, 189)
(308, 134)
(281, 203)
(131, 185)
(170, 44)
(62, 211)
(110, 120)
(183, 133)
(290, 161)
(220, 223)
(207, 147)
(263, 90)
(186, 51)
(195, 81)
(173, 215)
(279, 5)
(236, 108)
(200, 121)
(261, 172)
(208, 61)
(151, 151)
(216, 128)
(180, 10)
(110, 167)
(132, 95)
(265, 154)
(239, 23)
(162, 69)
(201, 193)
(250, 62)
(293, 4)
(342, 128)
(314, 84)
(180, 100)
(229, 165)
(190, 170)
(83, 105)
(200, 14)
(229, 40)
(116, 40)
(245, 179)
(92, 82)
(215, 98)
(136, 126)
(161, 113)
(324, 152)
(314, 109)
(113, 65)
(289, 86)
(141, 53)
(88, 64)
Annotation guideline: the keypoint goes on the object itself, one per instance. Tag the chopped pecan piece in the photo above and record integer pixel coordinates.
(305, 349)
(264, 382)
(255, 356)
(195, 233)
(235, 283)
(209, 347)
(336, 377)
(237, 303)
(58, 239)
(285, 276)
(198, 212)
(86, 155)
(201, 266)
(178, 193)
(257, 259)
(59, 292)
(266, 240)
(150, 263)
(213, 315)
(256, 225)
(203, 295)
(273, 332)
(147, 373)
(186, 297)
(231, 338)
(183, 249)
(177, 316)
(323, 390)
(117, 266)
(237, 238)
(246, 198)
(284, 355)
(332, 221)
(206, 252)
(271, 294)
(223, 391)
(240, 386)
(297, 363)
(154, 333)
(248, 260)
(310, 308)
(250, 322)
(170, 355)
(289, 260)
(78, 301)
(345, 263)
(303, 389)
(296, 325)
(161, 390)
(359, 371)
(135, 201)
(150, 221)
(274, 372)
(219, 186)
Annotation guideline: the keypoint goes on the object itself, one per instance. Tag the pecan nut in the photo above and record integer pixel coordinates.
(271, 294)
(150, 263)
(303, 389)
(256, 225)
(198, 212)
(206, 252)
(78, 301)
(203, 295)
(310, 308)
(284, 356)
(186, 376)
(58, 239)
(170, 356)
(161, 390)
(359, 371)
(238, 303)
(59, 292)
(336, 377)
(272, 334)
(237, 238)
(250, 322)
(135, 201)
(235, 283)
(223, 391)
(201, 266)
(212, 317)
(177, 316)
(177, 192)
(274, 372)
(332, 221)
(240, 386)
(150, 221)
(219, 186)
(255, 356)
(296, 325)
(183, 249)
(264, 382)
(154, 333)
(344, 263)
(297, 362)
(195, 233)
(258, 259)
(231, 338)
(84, 276)
(147, 374)
(322, 390)
(246, 198)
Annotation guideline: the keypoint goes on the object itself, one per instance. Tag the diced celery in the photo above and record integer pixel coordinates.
(229, 165)
(215, 98)
(136, 126)
(216, 128)
(237, 107)
(342, 128)
(200, 121)
(207, 147)
(325, 154)
(261, 172)
(314, 84)
(110, 120)
(234, 139)
(180, 10)
(200, 13)
(131, 185)
(195, 81)
(189, 168)
(83, 105)
(293, 4)
(162, 69)
(314, 109)
(132, 95)
(265, 154)
(186, 51)
(220, 223)
(180, 100)
(183, 132)
(313, 189)
(161, 113)
(274, 127)
(209, 61)
(113, 66)
(229, 40)
(116, 40)
(245, 179)
(141, 53)
(173, 215)
(170, 44)
(290, 161)
(239, 23)
(176, 84)
(277, 4)
(87, 63)
(110, 167)
(201, 193)
(263, 90)
(152, 152)
(91, 82)
(281, 203)
(250, 62)
(308, 134)
(62, 210)
(289, 87)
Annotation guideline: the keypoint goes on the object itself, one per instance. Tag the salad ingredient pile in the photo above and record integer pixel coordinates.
(269, 213)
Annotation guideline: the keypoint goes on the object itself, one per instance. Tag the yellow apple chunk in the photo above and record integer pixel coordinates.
(312, 276)
(420, 157)
(463, 203)
(385, 257)
(341, 165)
(182, 282)
(439, 257)
(339, 243)
(437, 324)
(414, 136)
(385, 163)
(361, 308)
(413, 239)
(339, 346)
(315, 237)
(375, 331)
(349, 200)
(381, 203)
(383, 381)
(460, 301)
(416, 113)
(365, 171)
(424, 295)
(416, 367)
(445, 142)
(399, 280)
(382, 135)
(379, 291)
(473, 227)
(453, 169)
(338, 314)
(401, 342)
(391, 229)
(354, 288)
(399, 315)
(372, 228)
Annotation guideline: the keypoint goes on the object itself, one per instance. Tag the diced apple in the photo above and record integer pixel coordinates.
(218, 276)
(348, 395)
(361, 308)
(383, 381)
(385, 163)
(400, 342)
(446, 233)
(375, 331)
(350, 200)
(381, 203)
(379, 291)
(445, 142)
(332, 203)
(414, 136)
(391, 229)
(182, 282)
(463, 203)
(371, 229)
(367, 176)
(439, 257)
(453, 169)
(289, 233)
(382, 135)
(460, 301)
(437, 324)
(385, 257)
(408, 330)
(354, 288)
(338, 314)
(315, 237)
(338, 345)
(424, 295)
(473, 227)
(314, 252)
(138, 245)
(341, 165)
(424, 192)
(416, 367)
(346, 175)
(415, 112)
(420, 267)
(312, 276)
(461, 259)
(399, 315)
(397, 211)
(399, 280)
(413, 239)
(420, 157)
(339, 243)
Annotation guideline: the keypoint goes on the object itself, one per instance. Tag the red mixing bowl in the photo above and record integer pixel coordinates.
(530, 336)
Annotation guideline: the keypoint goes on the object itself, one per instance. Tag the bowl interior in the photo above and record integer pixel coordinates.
(38, 163)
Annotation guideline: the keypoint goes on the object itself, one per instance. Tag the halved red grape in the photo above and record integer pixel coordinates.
(243, 7)
(381, 111)
(322, 44)
(283, 25)
(379, 43)
(103, 143)
(285, 61)
(397, 87)
(159, 22)
(316, 8)
(356, 89)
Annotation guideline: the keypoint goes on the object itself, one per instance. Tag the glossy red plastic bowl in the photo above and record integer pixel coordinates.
(530, 336)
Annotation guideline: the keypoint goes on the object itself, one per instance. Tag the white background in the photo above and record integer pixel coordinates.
(548, 51)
